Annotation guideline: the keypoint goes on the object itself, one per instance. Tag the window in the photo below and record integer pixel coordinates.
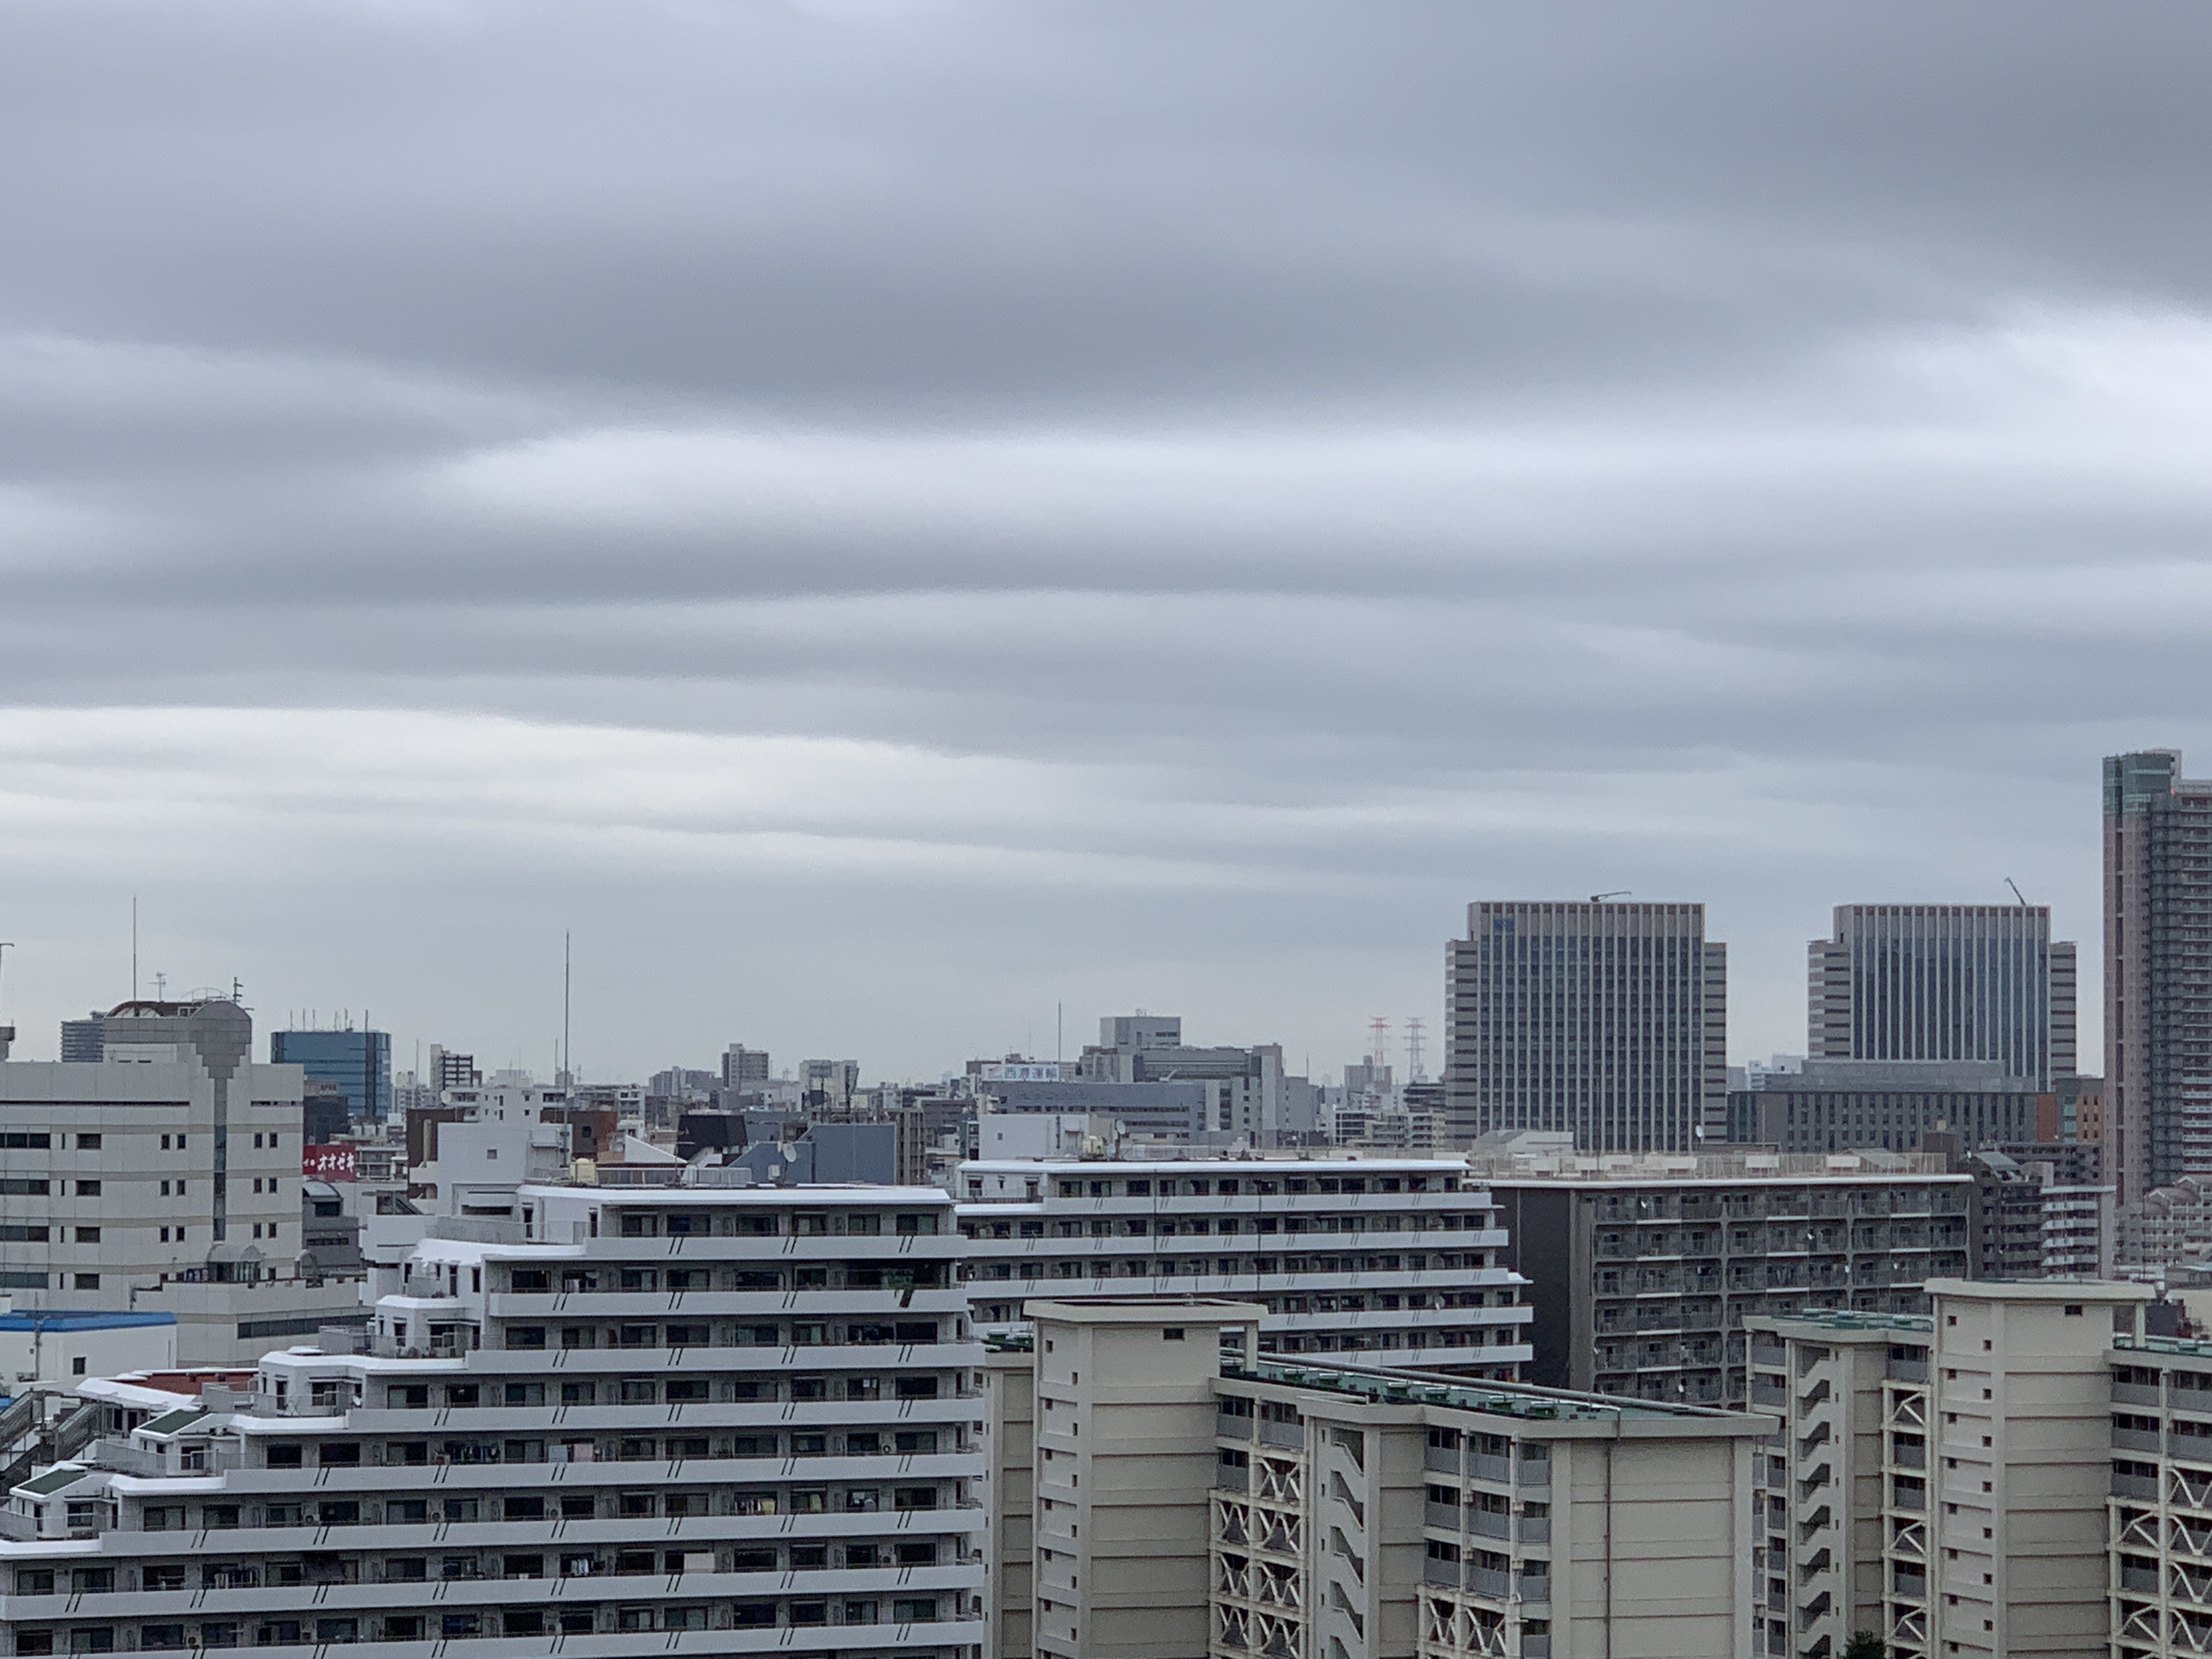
(88, 1143)
(88, 1189)
(86, 1281)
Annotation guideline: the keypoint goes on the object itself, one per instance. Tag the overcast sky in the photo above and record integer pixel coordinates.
(887, 518)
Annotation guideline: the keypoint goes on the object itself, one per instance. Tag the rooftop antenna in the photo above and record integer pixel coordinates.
(2016, 893)
(133, 947)
(6, 946)
(567, 961)
(1623, 892)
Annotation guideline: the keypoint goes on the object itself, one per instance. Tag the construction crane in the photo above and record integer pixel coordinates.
(1600, 898)
(2016, 893)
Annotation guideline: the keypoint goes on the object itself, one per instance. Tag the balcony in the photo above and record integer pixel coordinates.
(1908, 1370)
(1443, 1573)
(1443, 1516)
(1536, 1586)
(1532, 1529)
(1491, 1581)
(1484, 1466)
(1535, 1471)
(2141, 1486)
(2141, 1580)
(2144, 1440)
(1489, 1523)
(1291, 1436)
(2136, 1394)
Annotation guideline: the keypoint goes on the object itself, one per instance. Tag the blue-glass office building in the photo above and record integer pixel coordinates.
(357, 1063)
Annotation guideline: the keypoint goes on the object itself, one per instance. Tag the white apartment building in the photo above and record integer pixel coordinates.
(1155, 1498)
(163, 1177)
(1941, 1481)
(1398, 1261)
(688, 1420)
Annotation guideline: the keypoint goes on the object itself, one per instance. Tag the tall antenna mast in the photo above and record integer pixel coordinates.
(133, 947)
(1415, 1072)
(1379, 1041)
(567, 960)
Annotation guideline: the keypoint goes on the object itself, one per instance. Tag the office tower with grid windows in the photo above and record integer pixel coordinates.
(1944, 982)
(1605, 1021)
(2158, 971)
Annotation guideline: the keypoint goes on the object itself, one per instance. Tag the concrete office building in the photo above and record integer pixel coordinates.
(1942, 1482)
(165, 1176)
(1154, 1497)
(692, 1421)
(1607, 1022)
(1944, 982)
(1850, 1105)
(1245, 1092)
(2158, 957)
(1400, 1261)
(357, 1064)
(1644, 1273)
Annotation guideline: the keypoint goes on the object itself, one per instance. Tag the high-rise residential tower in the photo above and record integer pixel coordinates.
(1608, 1021)
(2158, 971)
(1944, 982)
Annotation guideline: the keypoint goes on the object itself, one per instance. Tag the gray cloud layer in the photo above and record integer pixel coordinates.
(885, 517)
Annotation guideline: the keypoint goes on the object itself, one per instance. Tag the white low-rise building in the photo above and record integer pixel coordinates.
(1396, 1261)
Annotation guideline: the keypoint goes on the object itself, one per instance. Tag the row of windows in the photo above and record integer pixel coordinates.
(1227, 1227)
(627, 1449)
(509, 1621)
(801, 1334)
(40, 1186)
(855, 1223)
(1227, 1266)
(694, 1502)
(572, 1562)
(850, 1276)
(649, 1390)
(1241, 1185)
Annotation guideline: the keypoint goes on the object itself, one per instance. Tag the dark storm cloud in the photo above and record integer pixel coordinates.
(869, 510)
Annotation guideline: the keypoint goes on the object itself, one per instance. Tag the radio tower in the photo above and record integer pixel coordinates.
(1414, 1071)
(1378, 1050)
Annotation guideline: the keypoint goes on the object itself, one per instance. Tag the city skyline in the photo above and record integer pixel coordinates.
(886, 519)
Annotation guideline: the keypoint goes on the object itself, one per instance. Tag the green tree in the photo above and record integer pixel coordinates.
(1865, 1645)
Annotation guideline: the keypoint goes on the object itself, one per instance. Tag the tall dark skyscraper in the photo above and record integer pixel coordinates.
(358, 1064)
(1944, 982)
(1605, 1020)
(2158, 971)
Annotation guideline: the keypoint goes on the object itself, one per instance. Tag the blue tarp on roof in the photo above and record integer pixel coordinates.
(72, 1318)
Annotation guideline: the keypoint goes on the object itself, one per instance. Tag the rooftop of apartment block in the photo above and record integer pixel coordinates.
(1560, 1167)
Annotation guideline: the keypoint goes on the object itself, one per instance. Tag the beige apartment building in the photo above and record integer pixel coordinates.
(1942, 1481)
(1159, 1489)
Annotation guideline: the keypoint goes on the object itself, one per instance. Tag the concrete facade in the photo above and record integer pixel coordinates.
(700, 1421)
(1401, 1260)
(165, 1176)
(1644, 1275)
(1995, 1418)
(1342, 1512)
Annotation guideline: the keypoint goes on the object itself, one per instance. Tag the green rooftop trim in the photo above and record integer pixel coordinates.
(53, 1480)
(171, 1422)
(1496, 1398)
(1853, 1319)
(2185, 1347)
